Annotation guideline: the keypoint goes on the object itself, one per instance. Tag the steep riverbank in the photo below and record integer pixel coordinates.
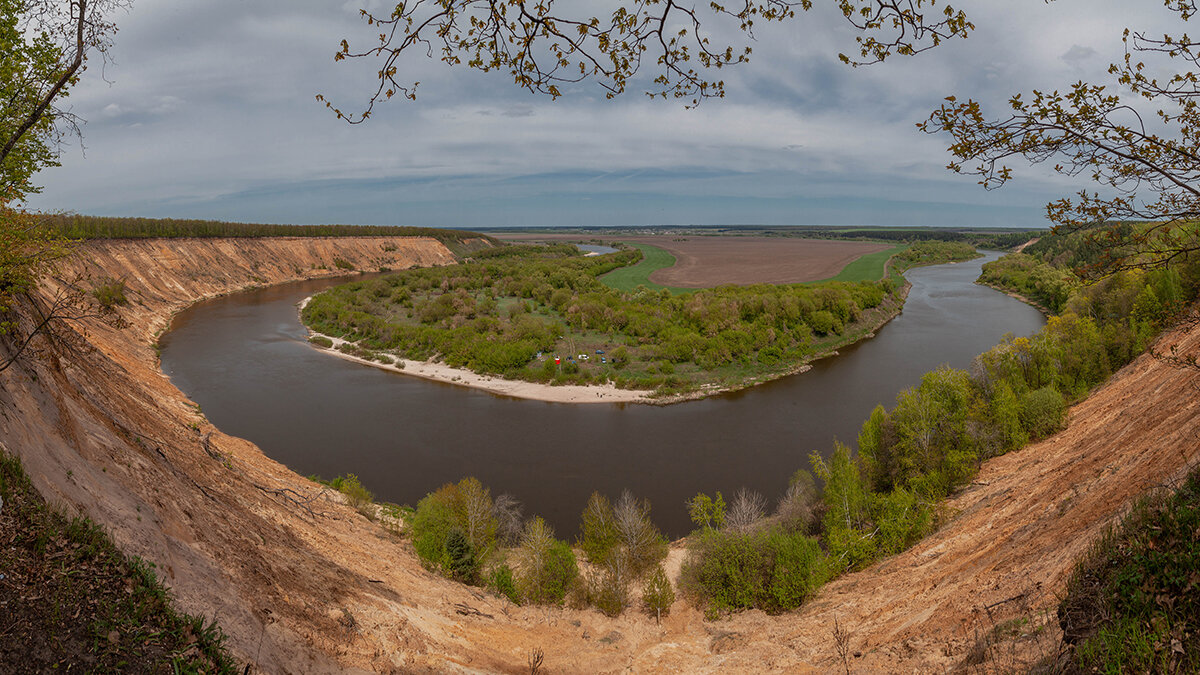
(304, 584)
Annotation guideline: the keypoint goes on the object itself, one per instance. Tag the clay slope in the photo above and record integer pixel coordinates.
(304, 584)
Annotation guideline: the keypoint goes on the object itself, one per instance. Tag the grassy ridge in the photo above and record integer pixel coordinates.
(1132, 603)
(72, 599)
(654, 258)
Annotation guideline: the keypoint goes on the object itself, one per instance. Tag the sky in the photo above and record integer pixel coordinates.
(207, 110)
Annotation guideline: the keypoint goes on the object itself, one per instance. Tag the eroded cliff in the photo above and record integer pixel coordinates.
(304, 584)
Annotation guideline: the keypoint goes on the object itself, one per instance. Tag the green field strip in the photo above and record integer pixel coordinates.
(870, 267)
(654, 258)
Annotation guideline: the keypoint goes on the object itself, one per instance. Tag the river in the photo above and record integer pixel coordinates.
(245, 360)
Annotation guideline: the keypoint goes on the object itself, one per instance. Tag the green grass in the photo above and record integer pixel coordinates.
(653, 259)
(870, 267)
(1132, 603)
(73, 600)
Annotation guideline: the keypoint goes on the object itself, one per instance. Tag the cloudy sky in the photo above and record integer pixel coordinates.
(207, 110)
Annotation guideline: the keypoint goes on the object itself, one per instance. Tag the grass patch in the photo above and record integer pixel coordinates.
(71, 599)
(1133, 602)
(110, 293)
(870, 267)
(653, 259)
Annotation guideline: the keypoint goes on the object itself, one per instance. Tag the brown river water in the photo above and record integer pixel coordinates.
(245, 360)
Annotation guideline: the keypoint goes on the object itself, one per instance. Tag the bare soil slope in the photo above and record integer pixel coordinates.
(304, 584)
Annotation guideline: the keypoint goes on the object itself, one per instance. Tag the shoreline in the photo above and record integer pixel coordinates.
(1017, 296)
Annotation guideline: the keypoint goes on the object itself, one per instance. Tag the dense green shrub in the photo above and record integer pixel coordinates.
(454, 529)
(859, 524)
(1043, 412)
(460, 557)
(766, 569)
(321, 341)
(657, 594)
(502, 582)
(546, 567)
(110, 293)
(357, 495)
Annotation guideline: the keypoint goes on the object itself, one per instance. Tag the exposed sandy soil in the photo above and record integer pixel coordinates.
(304, 584)
(704, 262)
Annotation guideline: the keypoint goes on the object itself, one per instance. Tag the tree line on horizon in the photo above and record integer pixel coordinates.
(73, 226)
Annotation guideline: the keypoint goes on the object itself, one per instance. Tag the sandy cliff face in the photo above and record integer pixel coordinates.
(303, 584)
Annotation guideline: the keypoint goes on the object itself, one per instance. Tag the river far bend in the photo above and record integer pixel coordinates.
(245, 360)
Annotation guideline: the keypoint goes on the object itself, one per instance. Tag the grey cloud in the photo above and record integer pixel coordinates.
(1077, 55)
(223, 93)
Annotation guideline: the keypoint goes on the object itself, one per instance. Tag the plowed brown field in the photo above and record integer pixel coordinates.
(707, 261)
(704, 262)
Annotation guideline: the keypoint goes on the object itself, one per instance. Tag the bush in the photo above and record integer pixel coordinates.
(546, 566)
(772, 570)
(822, 322)
(642, 545)
(657, 594)
(464, 510)
(1043, 412)
(460, 557)
(432, 524)
(598, 536)
(608, 588)
(321, 341)
(357, 495)
(110, 293)
(501, 582)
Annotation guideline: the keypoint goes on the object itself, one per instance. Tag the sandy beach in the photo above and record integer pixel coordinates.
(568, 393)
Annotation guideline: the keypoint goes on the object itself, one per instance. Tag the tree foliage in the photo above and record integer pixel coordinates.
(44, 45)
(546, 567)
(546, 45)
(1142, 149)
(512, 312)
(455, 528)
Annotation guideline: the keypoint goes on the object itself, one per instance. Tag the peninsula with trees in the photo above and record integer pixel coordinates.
(545, 314)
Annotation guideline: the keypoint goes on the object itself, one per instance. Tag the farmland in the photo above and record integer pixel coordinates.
(705, 262)
(682, 261)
